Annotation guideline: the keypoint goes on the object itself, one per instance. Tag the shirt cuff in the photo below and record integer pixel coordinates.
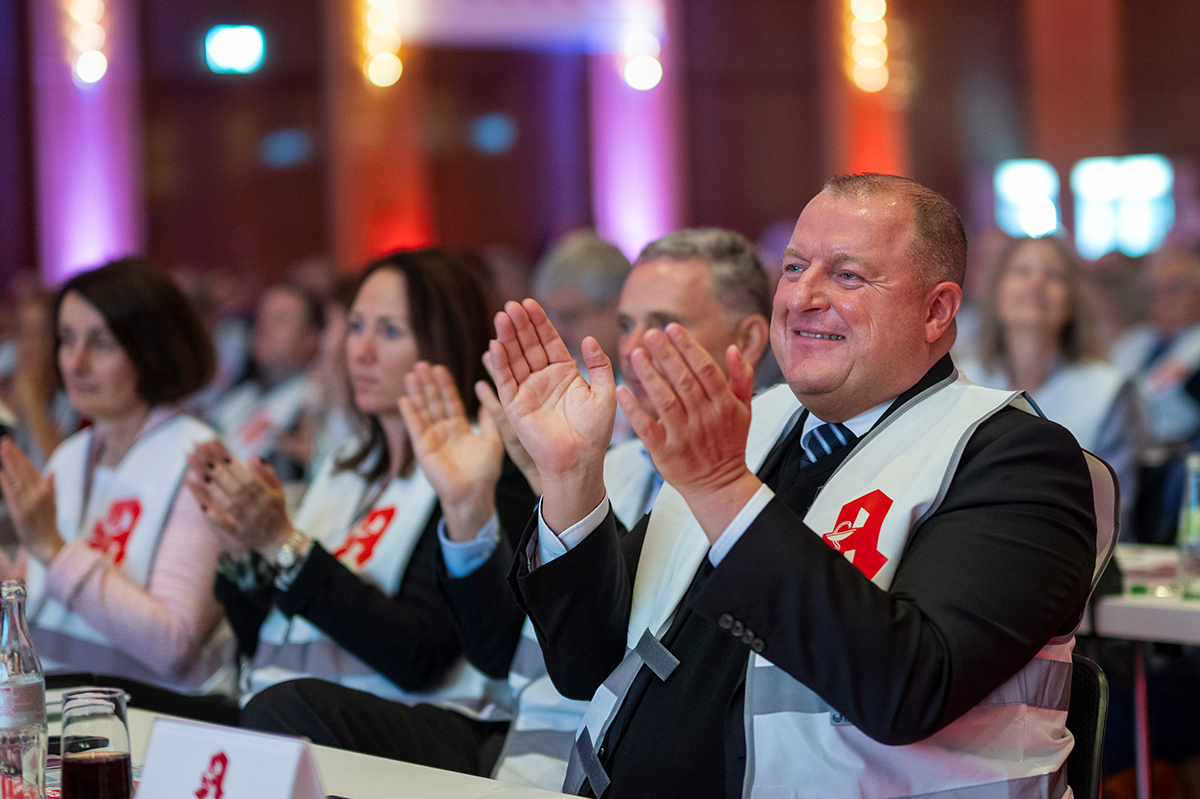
(463, 558)
(733, 533)
(548, 546)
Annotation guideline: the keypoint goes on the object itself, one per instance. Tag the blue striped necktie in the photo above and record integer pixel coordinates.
(825, 440)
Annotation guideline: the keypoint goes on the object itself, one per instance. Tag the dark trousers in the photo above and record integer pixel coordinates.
(213, 709)
(333, 715)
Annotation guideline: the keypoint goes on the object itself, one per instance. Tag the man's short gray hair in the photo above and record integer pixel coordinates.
(584, 261)
(738, 279)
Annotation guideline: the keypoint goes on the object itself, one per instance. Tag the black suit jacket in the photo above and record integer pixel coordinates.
(1001, 567)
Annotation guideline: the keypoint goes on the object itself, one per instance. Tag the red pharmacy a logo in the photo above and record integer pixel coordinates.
(366, 535)
(213, 779)
(111, 534)
(856, 534)
(17, 788)
(256, 427)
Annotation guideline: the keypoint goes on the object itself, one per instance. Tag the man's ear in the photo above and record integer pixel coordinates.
(943, 302)
(752, 337)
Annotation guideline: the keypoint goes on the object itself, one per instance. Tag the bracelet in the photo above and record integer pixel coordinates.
(290, 559)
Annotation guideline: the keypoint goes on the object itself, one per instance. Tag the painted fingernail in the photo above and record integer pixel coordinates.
(208, 478)
(210, 464)
(203, 507)
(228, 460)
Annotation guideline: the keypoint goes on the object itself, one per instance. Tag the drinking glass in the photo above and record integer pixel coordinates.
(95, 745)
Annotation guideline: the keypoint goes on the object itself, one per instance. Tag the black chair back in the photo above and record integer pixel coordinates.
(1085, 719)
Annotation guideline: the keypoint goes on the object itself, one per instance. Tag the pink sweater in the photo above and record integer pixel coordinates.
(164, 626)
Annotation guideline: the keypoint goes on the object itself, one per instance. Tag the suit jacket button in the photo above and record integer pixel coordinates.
(736, 629)
(748, 637)
(725, 622)
(758, 645)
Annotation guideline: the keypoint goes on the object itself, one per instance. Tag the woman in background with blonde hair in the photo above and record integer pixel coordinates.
(1037, 334)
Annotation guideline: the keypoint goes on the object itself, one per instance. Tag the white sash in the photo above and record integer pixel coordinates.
(126, 520)
(1171, 415)
(376, 546)
(1180, 360)
(250, 419)
(895, 479)
(675, 544)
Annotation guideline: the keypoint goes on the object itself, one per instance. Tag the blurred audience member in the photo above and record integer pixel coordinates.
(1120, 294)
(1166, 352)
(230, 331)
(120, 562)
(1037, 334)
(771, 244)
(981, 259)
(271, 414)
(578, 282)
(22, 287)
(1163, 355)
(316, 274)
(44, 413)
(330, 376)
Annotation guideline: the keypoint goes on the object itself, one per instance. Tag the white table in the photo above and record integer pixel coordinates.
(1160, 614)
(356, 776)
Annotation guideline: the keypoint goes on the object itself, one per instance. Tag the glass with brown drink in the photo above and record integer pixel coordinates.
(95, 745)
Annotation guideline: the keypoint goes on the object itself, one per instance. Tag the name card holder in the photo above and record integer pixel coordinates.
(209, 761)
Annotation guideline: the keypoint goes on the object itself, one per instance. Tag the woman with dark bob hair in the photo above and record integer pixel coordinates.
(353, 590)
(117, 558)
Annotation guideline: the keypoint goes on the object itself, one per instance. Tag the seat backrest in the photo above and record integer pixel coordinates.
(1086, 718)
(1106, 496)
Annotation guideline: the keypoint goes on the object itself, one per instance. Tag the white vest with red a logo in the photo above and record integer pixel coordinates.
(125, 520)
(1171, 413)
(1014, 742)
(250, 419)
(376, 546)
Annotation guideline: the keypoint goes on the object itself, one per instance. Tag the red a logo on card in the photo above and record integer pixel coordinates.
(366, 535)
(16, 788)
(255, 427)
(111, 534)
(213, 779)
(856, 534)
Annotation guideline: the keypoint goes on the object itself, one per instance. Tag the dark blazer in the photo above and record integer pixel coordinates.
(412, 637)
(1002, 566)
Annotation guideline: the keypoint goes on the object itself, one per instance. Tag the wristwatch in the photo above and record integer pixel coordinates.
(290, 559)
(293, 550)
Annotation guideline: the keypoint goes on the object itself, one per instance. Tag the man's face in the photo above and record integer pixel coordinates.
(849, 320)
(662, 291)
(283, 340)
(1174, 292)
